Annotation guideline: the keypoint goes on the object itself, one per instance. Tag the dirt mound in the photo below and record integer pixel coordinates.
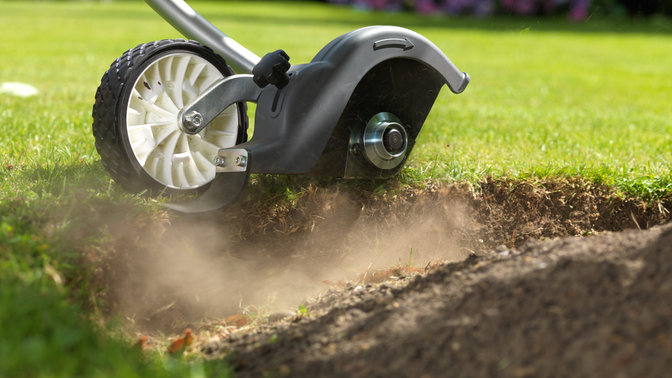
(594, 306)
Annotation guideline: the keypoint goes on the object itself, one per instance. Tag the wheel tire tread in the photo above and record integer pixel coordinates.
(106, 113)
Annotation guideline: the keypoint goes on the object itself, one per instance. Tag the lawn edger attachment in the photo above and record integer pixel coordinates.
(171, 116)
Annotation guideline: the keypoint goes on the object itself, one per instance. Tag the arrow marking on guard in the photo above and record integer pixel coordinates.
(399, 43)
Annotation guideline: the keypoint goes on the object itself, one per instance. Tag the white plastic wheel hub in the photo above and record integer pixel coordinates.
(171, 157)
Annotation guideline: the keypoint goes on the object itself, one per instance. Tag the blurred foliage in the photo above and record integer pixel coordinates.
(576, 10)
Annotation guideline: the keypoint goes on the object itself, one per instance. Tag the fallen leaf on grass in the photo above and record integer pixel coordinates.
(178, 346)
(237, 320)
(141, 344)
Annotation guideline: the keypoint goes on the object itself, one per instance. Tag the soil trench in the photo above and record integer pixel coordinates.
(494, 280)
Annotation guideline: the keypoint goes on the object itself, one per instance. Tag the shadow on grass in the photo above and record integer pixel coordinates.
(87, 180)
(59, 179)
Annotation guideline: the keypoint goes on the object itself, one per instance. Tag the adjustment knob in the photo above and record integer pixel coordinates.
(272, 69)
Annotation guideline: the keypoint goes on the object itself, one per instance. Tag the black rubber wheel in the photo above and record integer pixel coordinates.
(135, 118)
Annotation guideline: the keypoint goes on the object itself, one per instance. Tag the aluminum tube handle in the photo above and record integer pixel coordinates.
(193, 26)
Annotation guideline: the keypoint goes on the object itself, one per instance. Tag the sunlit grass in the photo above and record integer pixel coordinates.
(547, 98)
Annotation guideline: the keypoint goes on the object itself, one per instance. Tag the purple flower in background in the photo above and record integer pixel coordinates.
(577, 9)
(425, 6)
(378, 4)
(522, 7)
(390, 5)
(484, 8)
(477, 7)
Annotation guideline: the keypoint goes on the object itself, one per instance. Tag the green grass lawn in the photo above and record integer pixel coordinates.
(547, 99)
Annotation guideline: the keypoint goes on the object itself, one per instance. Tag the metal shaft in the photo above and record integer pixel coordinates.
(193, 26)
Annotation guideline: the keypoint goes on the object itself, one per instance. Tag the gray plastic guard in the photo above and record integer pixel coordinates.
(294, 124)
(386, 42)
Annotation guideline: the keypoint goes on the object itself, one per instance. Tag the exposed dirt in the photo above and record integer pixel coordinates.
(567, 307)
(449, 280)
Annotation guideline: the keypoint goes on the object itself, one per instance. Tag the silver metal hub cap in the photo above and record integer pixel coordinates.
(385, 140)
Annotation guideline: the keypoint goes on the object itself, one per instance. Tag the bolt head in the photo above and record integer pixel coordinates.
(193, 120)
(393, 141)
(240, 161)
(356, 149)
(220, 161)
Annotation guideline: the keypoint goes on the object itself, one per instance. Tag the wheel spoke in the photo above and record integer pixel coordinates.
(201, 144)
(154, 75)
(165, 174)
(194, 174)
(134, 117)
(167, 149)
(189, 90)
(189, 93)
(143, 151)
(178, 173)
(164, 134)
(222, 133)
(195, 72)
(207, 80)
(137, 101)
(221, 139)
(165, 66)
(179, 74)
(164, 101)
(148, 91)
(202, 163)
(186, 172)
(152, 164)
(168, 143)
(151, 125)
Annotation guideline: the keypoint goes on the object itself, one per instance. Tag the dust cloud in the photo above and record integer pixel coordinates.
(192, 269)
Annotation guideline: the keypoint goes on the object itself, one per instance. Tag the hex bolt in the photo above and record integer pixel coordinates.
(220, 161)
(356, 149)
(241, 161)
(192, 120)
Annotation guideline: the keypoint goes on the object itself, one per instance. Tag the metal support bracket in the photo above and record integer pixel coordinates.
(194, 117)
(231, 160)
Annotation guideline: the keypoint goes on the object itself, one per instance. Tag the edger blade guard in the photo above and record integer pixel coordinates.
(356, 76)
